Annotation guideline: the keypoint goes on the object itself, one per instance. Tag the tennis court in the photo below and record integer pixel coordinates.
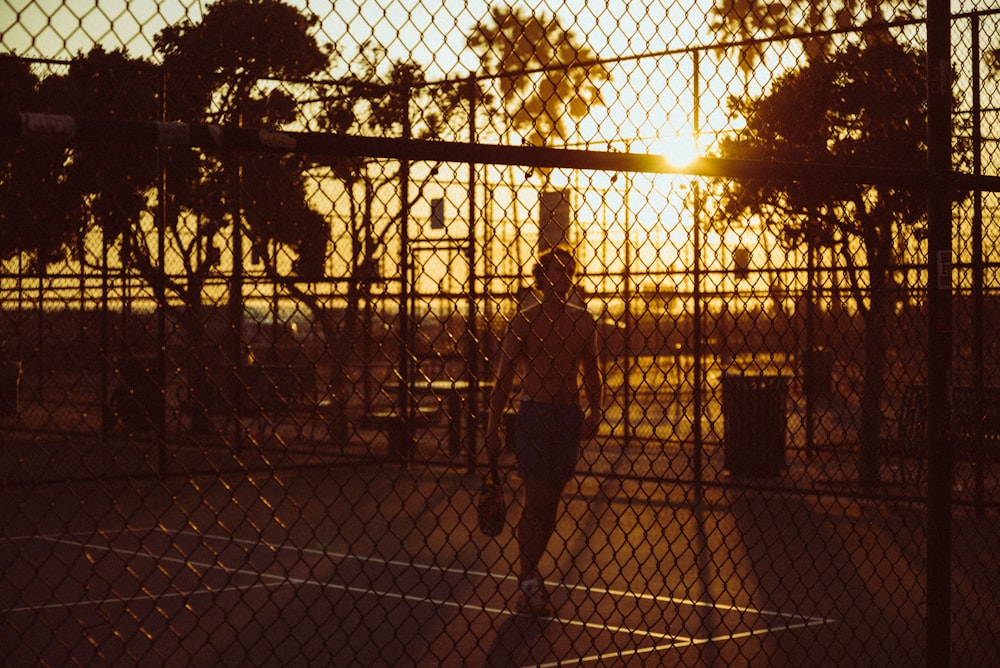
(259, 261)
(324, 567)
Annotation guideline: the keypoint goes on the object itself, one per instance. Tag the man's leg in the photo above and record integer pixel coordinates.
(538, 523)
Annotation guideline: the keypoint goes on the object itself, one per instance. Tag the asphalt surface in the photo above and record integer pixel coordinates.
(383, 565)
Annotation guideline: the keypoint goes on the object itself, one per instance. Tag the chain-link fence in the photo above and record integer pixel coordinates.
(267, 269)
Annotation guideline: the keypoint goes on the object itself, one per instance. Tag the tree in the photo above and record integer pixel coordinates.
(237, 66)
(111, 183)
(227, 69)
(383, 98)
(993, 60)
(65, 192)
(224, 60)
(547, 79)
(749, 22)
(861, 107)
(380, 97)
(540, 76)
(753, 22)
(37, 212)
(230, 69)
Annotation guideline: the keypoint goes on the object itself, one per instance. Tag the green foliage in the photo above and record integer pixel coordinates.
(546, 77)
(752, 23)
(216, 65)
(49, 193)
(862, 107)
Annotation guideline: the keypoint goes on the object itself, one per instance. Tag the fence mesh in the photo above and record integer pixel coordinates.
(265, 264)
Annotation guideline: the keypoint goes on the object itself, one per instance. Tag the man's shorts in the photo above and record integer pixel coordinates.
(547, 438)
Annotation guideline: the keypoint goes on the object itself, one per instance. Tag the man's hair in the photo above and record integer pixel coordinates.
(561, 253)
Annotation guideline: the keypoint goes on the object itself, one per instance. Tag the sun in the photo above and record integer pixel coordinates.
(679, 150)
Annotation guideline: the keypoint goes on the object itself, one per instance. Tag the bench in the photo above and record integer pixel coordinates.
(450, 395)
(399, 428)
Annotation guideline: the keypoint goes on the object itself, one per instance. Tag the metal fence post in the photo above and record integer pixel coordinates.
(939, 464)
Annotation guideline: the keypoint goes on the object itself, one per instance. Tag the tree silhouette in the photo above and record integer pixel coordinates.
(112, 183)
(38, 214)
(546, 78)
(226, 70)
(749, 22)
(540, 77)
(752, 22)
(381, 97)
(861, 107)
(231, 68)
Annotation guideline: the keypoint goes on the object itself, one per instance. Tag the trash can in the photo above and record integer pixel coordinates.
(817, 372)
(10, 380)
(753, 411)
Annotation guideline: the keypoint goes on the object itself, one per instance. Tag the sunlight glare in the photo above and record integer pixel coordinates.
(679, 150)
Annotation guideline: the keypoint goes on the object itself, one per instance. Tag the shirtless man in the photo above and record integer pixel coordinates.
(555, 343)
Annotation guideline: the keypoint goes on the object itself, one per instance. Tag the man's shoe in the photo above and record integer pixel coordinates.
(534, 599)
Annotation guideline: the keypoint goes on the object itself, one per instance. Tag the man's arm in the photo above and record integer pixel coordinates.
(510, 352)
(593, 385)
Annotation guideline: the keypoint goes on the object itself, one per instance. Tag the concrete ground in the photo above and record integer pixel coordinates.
(383, 565)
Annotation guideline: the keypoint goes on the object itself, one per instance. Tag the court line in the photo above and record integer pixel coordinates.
(147, 597)
(642, 596)
(683, 641)
(675, 641)
(278, 581)
(483, 608)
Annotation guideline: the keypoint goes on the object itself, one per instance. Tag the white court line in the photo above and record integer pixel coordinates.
(642, 596)
(804, 621)
(147, 597)
(277, 581)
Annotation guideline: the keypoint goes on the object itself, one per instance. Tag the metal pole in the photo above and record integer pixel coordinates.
(106, 372)
(697, 347)
(699, 376)
(473, 352)
(979, 458)
(405, 291)
(809, 356)
(160, 418)
(161, 296)
(236, 381)
(939, 302)
(234, 342)
(629, 316)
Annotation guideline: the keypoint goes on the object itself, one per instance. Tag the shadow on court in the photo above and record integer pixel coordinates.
(384, 566)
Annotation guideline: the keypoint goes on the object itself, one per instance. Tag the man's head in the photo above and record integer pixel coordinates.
(555, 270)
